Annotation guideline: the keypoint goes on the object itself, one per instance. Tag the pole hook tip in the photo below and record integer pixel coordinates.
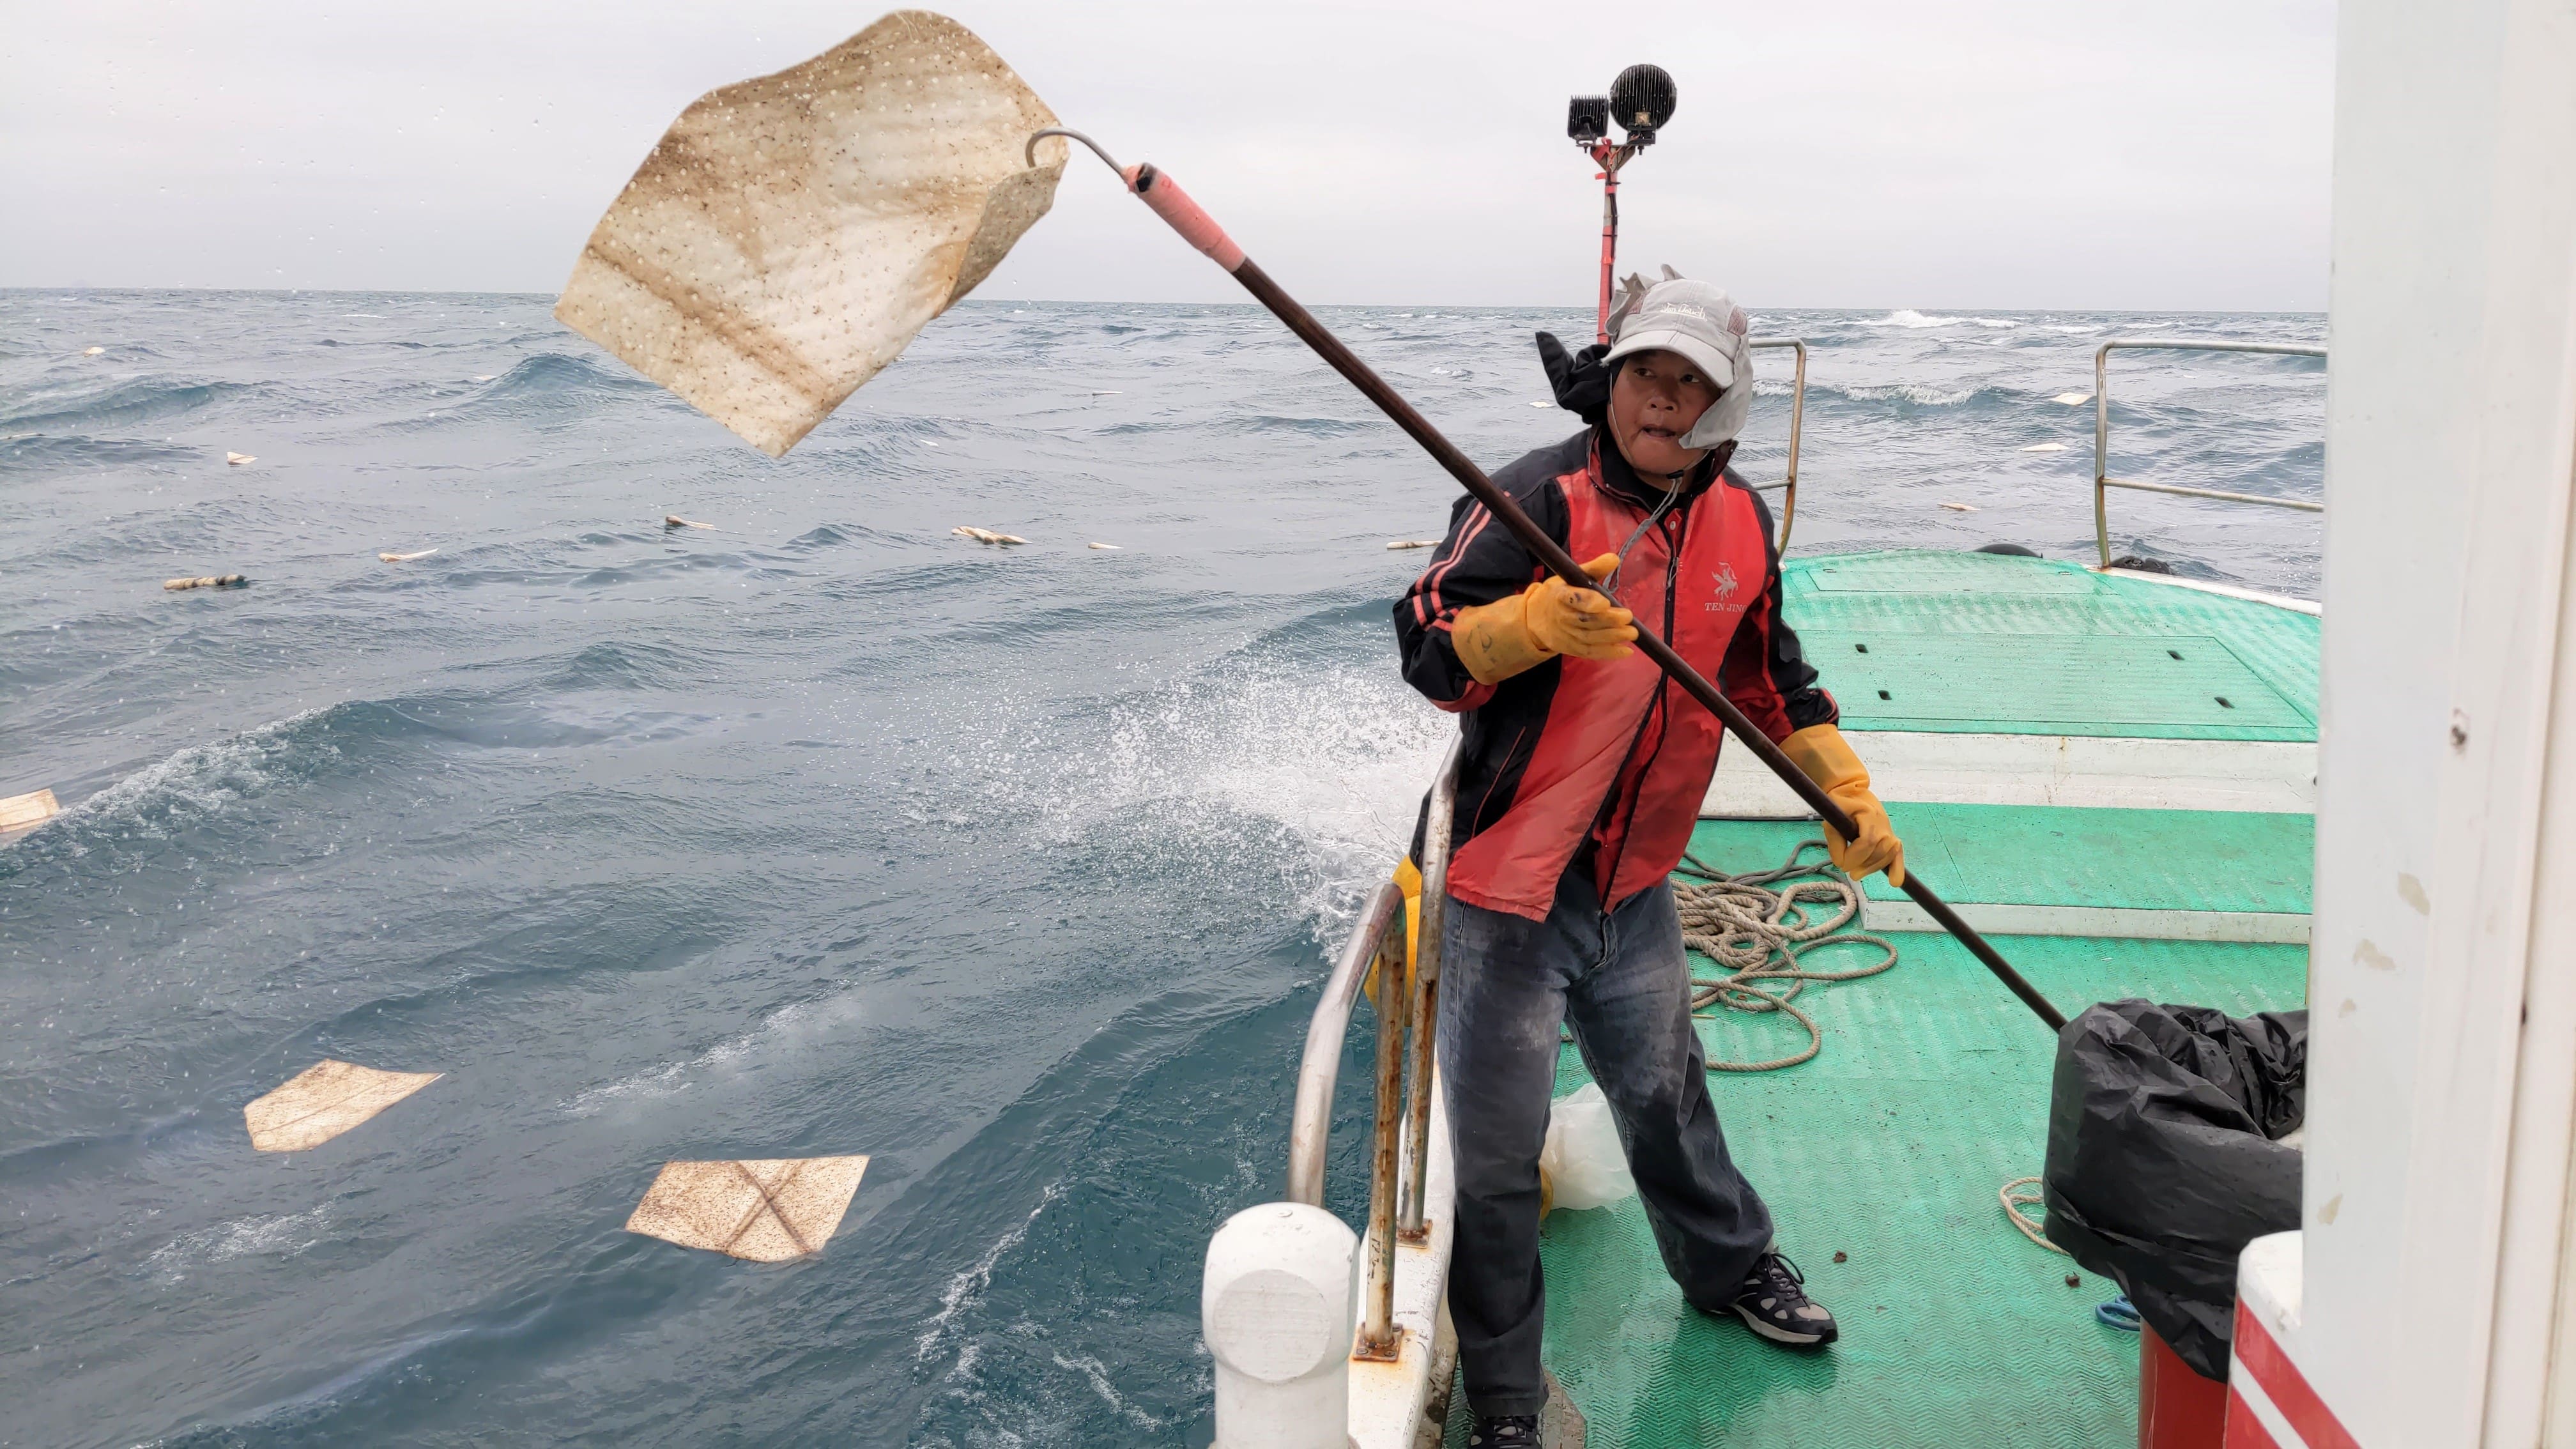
(1031, 151)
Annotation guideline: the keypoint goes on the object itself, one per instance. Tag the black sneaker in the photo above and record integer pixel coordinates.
(1773, 1303)
(1517, 1430)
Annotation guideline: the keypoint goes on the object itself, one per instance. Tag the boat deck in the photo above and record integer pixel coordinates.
(1932, 1088)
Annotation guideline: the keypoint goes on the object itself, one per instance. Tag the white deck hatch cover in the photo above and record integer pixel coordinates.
(2269, 776)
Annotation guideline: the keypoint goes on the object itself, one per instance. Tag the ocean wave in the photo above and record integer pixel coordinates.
(1096, 1373)
(191, 784)
(127, 401)
(1308, 427)
(791, 1028)
(1326, 766)
(280, 1235)
(1916, 393)
(970, 1284)
(550, 374)
(43, 452)
(1908, 317)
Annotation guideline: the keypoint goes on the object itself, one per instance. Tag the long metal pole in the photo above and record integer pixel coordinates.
(1378, 1338)
(2102, 479)
(1609, 158)
(1201, 231)
(2102, 452)
(1797, 416)
(1412, 1223)
(1310, 1125)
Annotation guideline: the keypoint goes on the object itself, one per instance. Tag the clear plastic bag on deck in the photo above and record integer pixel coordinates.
(1583, 1159)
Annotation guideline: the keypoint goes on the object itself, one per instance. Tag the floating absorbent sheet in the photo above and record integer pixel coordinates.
(26, 812)
(325, 1100)
(768, 1210)
(790, 234)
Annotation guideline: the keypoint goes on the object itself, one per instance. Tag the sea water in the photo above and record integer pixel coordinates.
(821, 831)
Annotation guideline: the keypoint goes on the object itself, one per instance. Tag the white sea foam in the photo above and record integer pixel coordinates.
(1916, 393)
(969, 1284)
(1908, 317)
(197, 781)
(1097, 1373)
(2045, 448)
(1994, 322)
(2073, 329)
(1338, 759)
(788, 1029)
(282, 1235)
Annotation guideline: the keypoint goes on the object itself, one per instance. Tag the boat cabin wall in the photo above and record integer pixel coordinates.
(2442, 980)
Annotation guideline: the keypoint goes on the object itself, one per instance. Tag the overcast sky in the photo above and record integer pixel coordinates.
(1933, 154)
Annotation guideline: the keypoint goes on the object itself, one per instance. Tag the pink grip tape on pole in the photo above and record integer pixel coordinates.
(1173, 205)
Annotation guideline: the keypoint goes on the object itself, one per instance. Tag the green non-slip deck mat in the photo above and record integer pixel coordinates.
(1932, 1090)
(2046, 855)
(1991, 643)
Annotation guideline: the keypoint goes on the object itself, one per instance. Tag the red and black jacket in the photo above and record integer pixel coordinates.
(1606, 760)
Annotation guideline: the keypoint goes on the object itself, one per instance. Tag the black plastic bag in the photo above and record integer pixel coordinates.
(2164, 1157)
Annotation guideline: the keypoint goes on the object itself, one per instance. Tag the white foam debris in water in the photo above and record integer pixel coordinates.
(767, 1210)
(325, 1100)
(1541, 404)
(2072, 398)
(2045, 448)
(784, 1033)
(406, 557)
(1097, 1374)
(930, 442)
(985, 535)
(963, 1288)
(1105, 392)
(1960, 507)
(1113, 548)
(92, 351)
(1196, 772)
(237, 459)
(1396, 543)
(281, 1235)
(480, 377)
(1908, 317)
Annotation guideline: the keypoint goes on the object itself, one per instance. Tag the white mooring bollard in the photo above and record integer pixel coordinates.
(1275, 1308)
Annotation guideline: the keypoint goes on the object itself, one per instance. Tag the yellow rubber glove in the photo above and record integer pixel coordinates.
(1821, 751)
(1551, 617)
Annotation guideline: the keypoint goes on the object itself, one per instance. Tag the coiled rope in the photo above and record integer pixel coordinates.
(2024, 1192)
(1757, 926)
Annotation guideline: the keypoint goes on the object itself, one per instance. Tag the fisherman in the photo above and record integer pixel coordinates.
(1580, 779)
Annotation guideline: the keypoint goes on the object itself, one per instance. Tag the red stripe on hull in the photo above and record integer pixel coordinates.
(2286, 1387)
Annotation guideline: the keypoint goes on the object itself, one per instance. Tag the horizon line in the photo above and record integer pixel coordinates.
(9, 288)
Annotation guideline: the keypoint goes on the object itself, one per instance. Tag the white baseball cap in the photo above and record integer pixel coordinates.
(1700, 322)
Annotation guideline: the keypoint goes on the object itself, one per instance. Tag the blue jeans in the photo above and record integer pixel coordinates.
(1620, 979)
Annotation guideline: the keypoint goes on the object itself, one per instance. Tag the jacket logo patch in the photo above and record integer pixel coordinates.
(1724, 578)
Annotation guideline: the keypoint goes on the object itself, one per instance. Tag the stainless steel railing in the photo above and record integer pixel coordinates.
(1407, 1015)
(2103, 482)
(1797, 416)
